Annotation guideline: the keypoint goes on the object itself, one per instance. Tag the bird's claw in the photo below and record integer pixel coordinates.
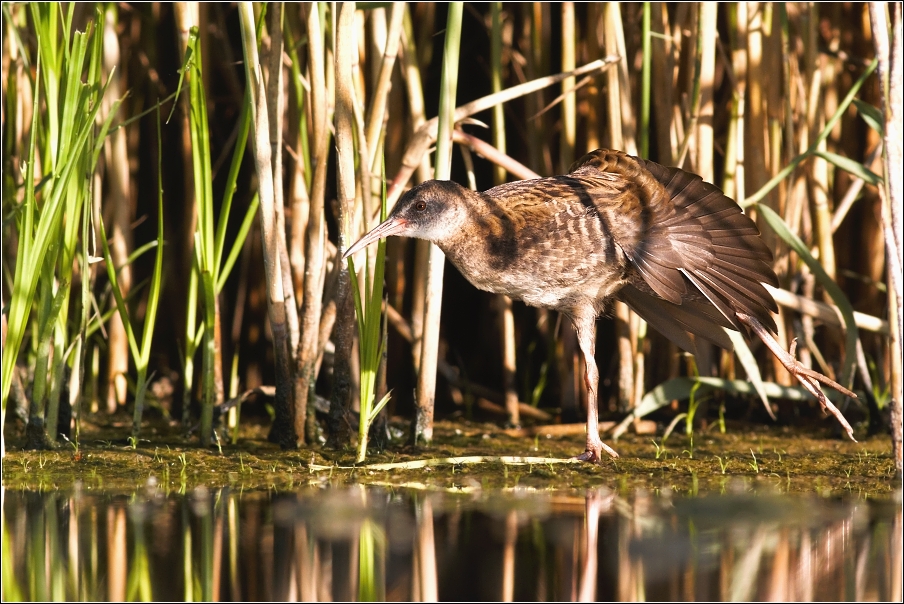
(808, 378)
(594, 451)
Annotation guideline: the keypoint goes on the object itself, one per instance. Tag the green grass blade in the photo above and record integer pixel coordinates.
(872, 115)
(369, 311)
(150, 316)
(238, 242)
(36, 239)
(830, 124)
(237, 155)
(24, 280)
(379, 407)
(849, 165)
(186, 67)
(95, 322)
(117, 292)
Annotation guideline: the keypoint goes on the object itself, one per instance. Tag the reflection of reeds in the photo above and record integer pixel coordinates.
(403, 545)
(770, 102)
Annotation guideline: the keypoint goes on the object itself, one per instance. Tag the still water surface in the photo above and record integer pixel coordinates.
(371, 543)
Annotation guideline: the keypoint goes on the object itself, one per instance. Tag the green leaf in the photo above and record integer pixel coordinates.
(849, 165)
(680, 389)
(378, 407)
(871, 115)
(748, 361)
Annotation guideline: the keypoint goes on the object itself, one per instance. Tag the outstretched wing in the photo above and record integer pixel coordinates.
(697, 258)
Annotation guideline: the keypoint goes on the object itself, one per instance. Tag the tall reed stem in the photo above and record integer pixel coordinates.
(426, 383)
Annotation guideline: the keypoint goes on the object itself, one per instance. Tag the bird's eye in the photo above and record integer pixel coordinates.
(420, 206)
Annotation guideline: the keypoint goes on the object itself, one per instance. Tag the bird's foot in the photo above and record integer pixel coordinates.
(811, 380)
(594, 451)
(808, 378)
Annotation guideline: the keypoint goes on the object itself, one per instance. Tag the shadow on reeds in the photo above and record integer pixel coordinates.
(367, 543)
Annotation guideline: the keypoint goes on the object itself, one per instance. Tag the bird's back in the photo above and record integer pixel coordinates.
(674, 248)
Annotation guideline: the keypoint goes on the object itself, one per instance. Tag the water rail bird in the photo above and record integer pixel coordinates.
(674, 248)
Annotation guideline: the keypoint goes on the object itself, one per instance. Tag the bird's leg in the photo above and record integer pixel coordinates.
(583, 325)
(808, 378)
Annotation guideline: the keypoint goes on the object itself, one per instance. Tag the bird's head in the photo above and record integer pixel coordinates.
(435, 210)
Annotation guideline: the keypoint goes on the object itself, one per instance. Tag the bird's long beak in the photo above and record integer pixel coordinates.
(391, 226)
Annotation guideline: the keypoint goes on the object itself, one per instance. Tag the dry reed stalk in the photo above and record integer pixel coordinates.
(298, 200)
(662, 69)
(626, 377)
(680, 57)
(567, 133)
(691, 70)
(819, 167)
(418, 292)
(377, 115)
(698, 142)
(643, 89)
(509, 360)
(783, 129)
(415, 96)
(277, 101)
(426, 134)
(802, 103)
(118, 204)
(536, 44)
(496, 43)
(263, 163)
(613, 97)
(504, 303)
(890, 55)
(425, 393)
(343, 331)
(494, 155)
(777, 98)
(315, 235)
(373, 44)
(757, 137)
(592, 91)
(704, 134)
(621, 132)
(621, 101)
(816, 179)
(733, 181)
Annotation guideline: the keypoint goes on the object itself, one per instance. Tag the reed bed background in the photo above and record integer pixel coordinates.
(156, 157)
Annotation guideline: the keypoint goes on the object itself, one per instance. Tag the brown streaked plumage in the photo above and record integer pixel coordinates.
(674, 248)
